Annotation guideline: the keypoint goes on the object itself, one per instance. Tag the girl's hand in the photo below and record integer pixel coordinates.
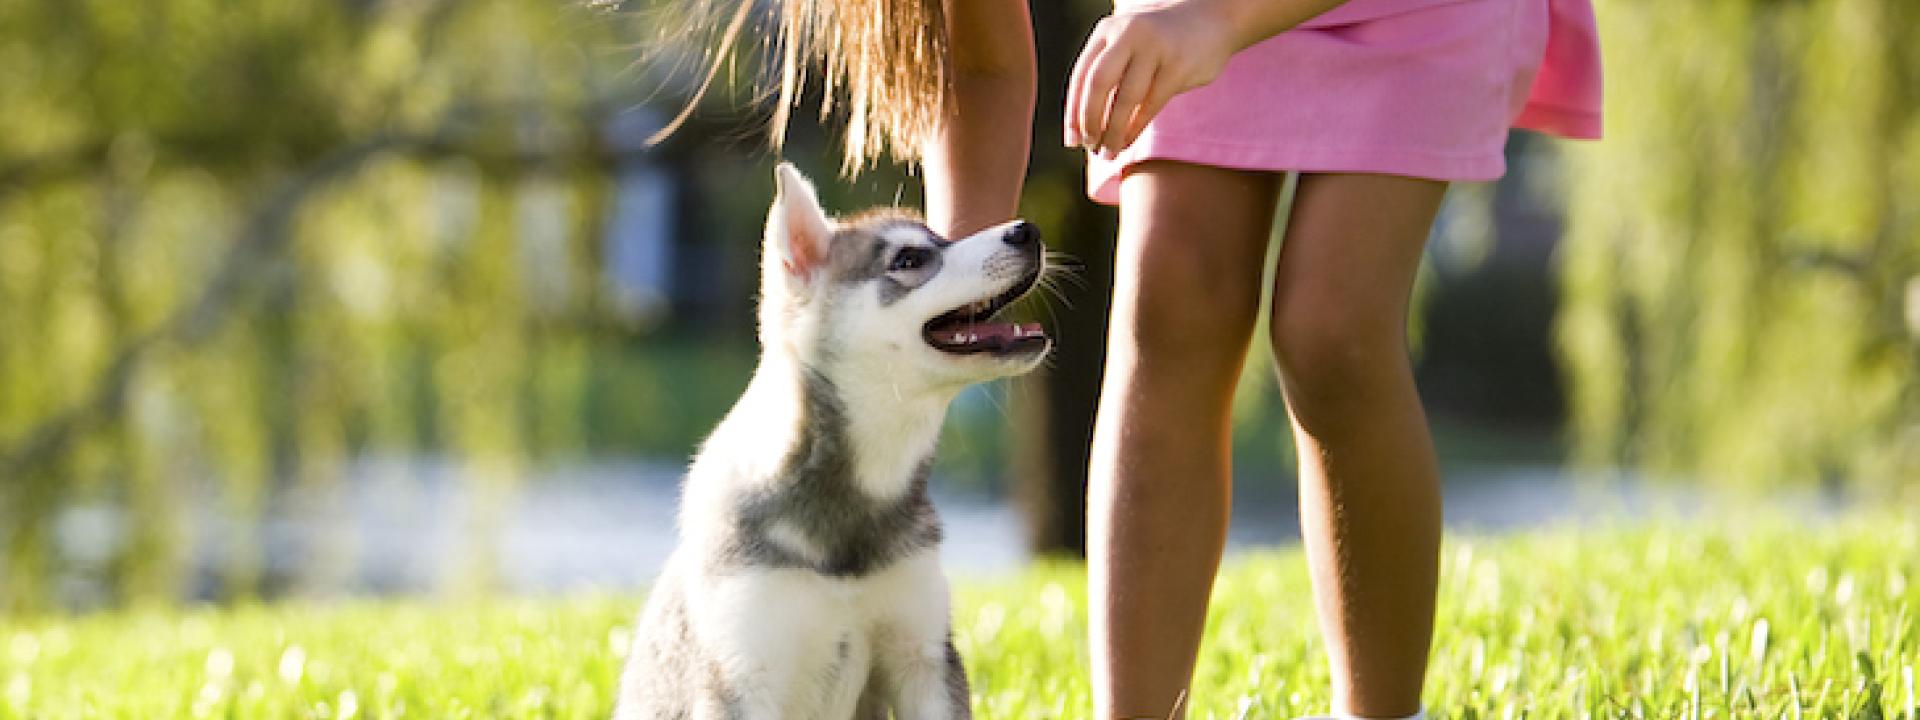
(1137, 60)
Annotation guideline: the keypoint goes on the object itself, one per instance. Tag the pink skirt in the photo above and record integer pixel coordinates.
(1421, 88)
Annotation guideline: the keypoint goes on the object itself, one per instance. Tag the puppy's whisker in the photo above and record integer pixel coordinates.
(994, 398)
(1053, 284)
(1076, 274)
(1060, 258)
(1050, 288)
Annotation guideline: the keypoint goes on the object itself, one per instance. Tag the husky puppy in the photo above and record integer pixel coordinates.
(806, 584)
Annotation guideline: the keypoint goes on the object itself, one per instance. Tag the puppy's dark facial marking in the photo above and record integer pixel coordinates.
(899, 254)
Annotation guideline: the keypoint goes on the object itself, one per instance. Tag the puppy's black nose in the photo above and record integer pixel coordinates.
(1022, 234)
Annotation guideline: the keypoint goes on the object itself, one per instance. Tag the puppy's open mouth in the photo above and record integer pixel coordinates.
(971, 328)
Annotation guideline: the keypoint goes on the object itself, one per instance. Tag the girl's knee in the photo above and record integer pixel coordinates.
(1189, 306)
(1326, 357)
(1183, 302)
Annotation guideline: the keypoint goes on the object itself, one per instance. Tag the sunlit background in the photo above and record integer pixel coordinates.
(364, 297)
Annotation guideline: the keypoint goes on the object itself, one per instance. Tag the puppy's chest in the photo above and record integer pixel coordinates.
(859, 605)
(830, 528)
(840, 503)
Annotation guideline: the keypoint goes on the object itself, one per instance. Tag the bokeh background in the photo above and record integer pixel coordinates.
(320, 298)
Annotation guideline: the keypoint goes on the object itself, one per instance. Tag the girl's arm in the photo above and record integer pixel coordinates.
(1138, 59)
(977, 162)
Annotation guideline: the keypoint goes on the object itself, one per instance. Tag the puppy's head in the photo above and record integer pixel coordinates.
(881, 298)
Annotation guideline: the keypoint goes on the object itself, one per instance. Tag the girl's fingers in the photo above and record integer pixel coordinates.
(1157, 97)
(1127, 96)
(1102, 76)
(1074, 136)
(1105, 81)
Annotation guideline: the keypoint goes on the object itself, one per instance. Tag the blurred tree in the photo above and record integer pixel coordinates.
(240, 243)
(1053, 429)
(1742, 275)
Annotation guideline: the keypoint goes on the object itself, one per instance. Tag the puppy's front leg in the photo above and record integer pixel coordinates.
(914, 651)
(773, 636)
(929, 683)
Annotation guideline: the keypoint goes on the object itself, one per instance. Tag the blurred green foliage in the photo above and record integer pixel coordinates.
(239, 243)
(1742, 272)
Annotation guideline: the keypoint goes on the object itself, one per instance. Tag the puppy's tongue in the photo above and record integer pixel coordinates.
(970, 333)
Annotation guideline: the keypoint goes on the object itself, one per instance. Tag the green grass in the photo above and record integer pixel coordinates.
(1740, 619)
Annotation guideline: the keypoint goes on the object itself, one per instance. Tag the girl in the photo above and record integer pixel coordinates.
(1193, 111)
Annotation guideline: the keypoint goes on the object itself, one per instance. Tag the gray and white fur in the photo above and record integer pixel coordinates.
(806, 582)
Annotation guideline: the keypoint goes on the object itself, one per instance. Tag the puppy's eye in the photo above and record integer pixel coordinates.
(910, 258)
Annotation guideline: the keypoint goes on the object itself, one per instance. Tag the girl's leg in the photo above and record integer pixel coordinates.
(1369, 485)
(1186, 293)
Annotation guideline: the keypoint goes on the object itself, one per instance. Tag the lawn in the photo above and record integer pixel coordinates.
(1753, 618)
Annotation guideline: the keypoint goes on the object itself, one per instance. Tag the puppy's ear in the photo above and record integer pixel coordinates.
(797, 229)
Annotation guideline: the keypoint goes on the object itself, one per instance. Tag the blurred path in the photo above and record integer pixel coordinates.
(609, 526)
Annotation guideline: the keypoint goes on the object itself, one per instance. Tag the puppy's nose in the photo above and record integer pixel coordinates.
(1022, 234)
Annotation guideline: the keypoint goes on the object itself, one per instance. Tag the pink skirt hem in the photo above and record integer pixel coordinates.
(1429, 92)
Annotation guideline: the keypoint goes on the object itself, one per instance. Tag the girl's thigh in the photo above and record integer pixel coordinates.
(1188, 265)
(1353, 246)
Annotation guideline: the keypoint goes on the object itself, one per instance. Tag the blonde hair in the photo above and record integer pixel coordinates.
(881, 63)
